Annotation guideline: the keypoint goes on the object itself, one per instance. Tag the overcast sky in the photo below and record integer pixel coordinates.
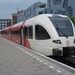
(7, 7)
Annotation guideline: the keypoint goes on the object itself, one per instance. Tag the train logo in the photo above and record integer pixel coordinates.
(68, 42)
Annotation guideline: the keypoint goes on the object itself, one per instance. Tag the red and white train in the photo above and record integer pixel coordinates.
(49, 34)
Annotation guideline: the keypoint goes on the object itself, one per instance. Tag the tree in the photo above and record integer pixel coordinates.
(72, 18)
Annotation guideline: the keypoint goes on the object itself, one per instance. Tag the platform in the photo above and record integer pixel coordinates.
(15, 61)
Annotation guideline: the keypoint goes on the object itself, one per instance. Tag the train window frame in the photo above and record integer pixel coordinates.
(39, 35)
(31, 32)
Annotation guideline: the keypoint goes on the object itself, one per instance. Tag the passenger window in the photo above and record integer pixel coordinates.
(41, 33)
(16, 33)
(31, 32)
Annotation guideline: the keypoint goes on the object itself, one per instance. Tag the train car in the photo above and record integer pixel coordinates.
(17, 32)
(3, 32)
(6, 32)
(50, 34)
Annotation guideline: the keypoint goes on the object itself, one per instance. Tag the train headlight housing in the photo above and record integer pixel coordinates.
(57, 41)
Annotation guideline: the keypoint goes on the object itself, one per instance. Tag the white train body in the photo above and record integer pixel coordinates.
(51, 34)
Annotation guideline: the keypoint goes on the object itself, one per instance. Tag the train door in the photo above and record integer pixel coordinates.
(43, 40)
(31, 37)
(25, 30)
(21, 36)
(28, 37)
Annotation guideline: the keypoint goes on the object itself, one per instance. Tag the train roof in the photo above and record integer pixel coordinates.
(18, 24)
(6, 28)
(34, 19)
(48, 15)
(43, 17)
(52, 15)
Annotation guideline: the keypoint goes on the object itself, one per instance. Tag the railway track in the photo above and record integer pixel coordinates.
(52, 63)
(68, 61)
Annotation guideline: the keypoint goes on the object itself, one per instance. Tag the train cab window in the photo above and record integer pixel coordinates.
(63, 26)
(31, 32)
(41, 33)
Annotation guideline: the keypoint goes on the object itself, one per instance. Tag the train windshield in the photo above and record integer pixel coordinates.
(62, 25)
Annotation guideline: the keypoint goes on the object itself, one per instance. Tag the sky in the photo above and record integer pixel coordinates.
(8, 7)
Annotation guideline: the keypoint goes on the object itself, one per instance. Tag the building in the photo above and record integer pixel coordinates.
(65, 7)
(5, 23)
(18, 12)
(35, 9)
(14, 18)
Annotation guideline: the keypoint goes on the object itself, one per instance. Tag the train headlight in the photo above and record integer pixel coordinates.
(57, 41)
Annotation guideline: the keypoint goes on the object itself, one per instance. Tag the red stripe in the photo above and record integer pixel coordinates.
(26, 43)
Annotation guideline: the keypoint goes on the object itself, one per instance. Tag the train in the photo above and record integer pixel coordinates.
(49, 34)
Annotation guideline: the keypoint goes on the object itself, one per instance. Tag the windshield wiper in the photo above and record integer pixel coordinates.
(61, 30)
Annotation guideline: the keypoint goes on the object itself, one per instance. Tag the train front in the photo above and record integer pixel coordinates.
(65, 30)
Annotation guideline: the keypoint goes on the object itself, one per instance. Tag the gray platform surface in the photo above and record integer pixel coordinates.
(16, 62)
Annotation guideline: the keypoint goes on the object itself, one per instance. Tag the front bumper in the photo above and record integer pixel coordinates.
(66, 51)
